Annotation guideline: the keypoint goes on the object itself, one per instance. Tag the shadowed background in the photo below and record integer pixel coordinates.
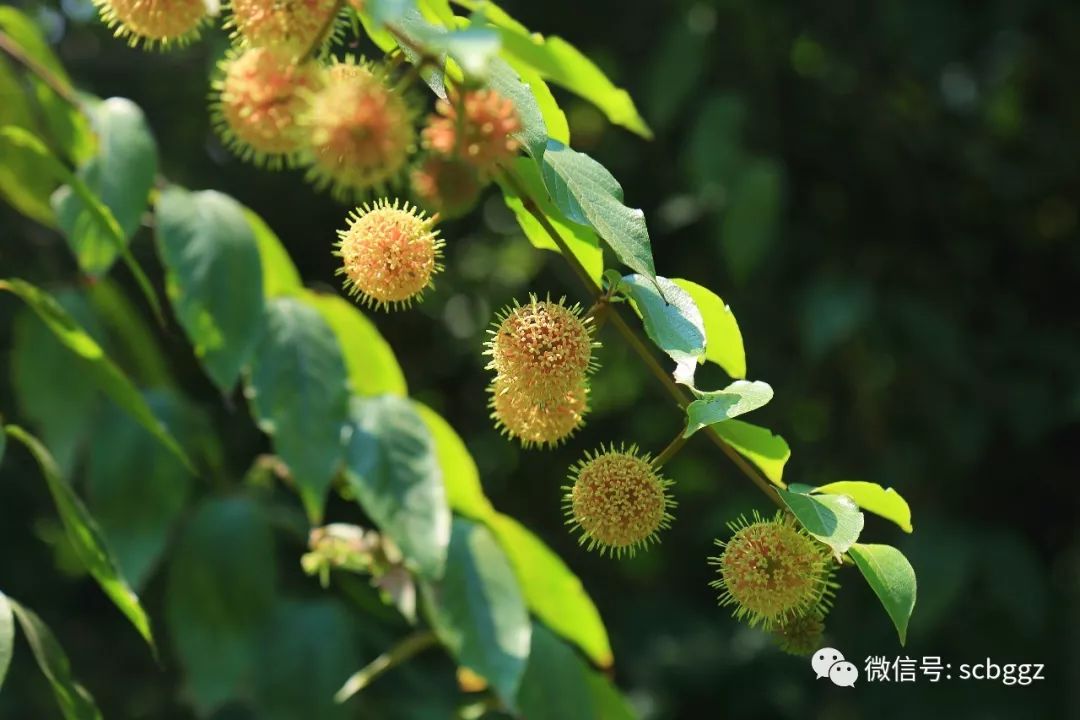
(887, 198)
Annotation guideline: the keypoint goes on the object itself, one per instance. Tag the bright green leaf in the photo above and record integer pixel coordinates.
(768, 451)
(718, 406)
(279, 274)
(213, 277)
(478, 612)
(74, 700)
(120, 175)
(464, 492)
(97, 365)
(372, 366)
(554, 118)
(219, 597)
(86, 538)
(24, 182)
(588, 194)
(892, 578)
(7, 622)
(723, 340)
(533, 135)
(299, 396)
(672, 321)
(20, 141)
(833, 519)
(872, 497)
(134, 488)
(581, 240)
(554, 594)
(129, 338)
(392, 468)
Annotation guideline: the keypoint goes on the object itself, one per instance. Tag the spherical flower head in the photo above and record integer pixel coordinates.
(801, 635)
(618, 501)
(772, 571)
(260, 96)
(359, 131)
(476, 126)
(537, 424)
(290, 26)
(446, 185)
(389, 253)
(542, 349)
(162, 23)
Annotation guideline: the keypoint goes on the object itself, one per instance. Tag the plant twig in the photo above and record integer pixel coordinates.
(637, 344)
(58, 86)
(670, 451)
(404, 650)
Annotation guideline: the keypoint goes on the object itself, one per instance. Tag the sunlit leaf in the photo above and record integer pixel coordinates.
(464, 492)
(723, 340)
(392, 468)
(85, 537)
(554, 594)
(279, 274)
(833, 519)
(74, 700)
(872, 497)
(372, 367)
(672, 321)
(96, 364)
(766, 450)
(7, 621)
(718, 406)
(213, 278)
(478, 612)
(120, 175)
(892, 578)
(299, 396)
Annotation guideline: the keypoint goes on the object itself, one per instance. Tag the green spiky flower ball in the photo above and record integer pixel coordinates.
(617, 500)
(801, 635)
(772, 571)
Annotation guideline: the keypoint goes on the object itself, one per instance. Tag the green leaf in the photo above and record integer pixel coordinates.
(74, 700)
(7, 622)
(120, 175)
(563, 64)
(129, 338)
(581, 240)
(135, 489)
(3, 442)
(588, 194)
(833, 519)
(718, 406)
(213, 277)
(372, 367)
(306, 650)
(299, 396)
(392, 468)
(559, 685)
(752, 218)
(219, 598)
(554, 594)
(769, 452)
(279, 274)
(892, 578)
(478, 612)
(554, 118)
(464, 493)
(22, 141)
(25, 182)
(96, 364)
(672, 321)
(723, 340)
(85, 537)
(872, 497)
(503, 79)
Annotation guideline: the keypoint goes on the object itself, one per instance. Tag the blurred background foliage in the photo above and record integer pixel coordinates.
(886, 195)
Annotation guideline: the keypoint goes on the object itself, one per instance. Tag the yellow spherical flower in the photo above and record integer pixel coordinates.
(772, 571)
(290, 26)
(543, 349)
(618, 501)
(389, 254)
(154, 22)
(260, 96)
(359, 131)
(801, 635)
(476, 126)
(446, 185)
(540, 424)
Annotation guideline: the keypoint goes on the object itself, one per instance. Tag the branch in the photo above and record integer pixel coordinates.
(407, 648)
(58, 86)
(633, 338)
